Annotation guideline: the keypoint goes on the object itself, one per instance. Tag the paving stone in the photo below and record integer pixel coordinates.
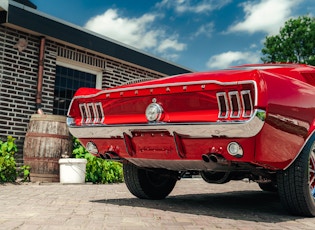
(193, 204)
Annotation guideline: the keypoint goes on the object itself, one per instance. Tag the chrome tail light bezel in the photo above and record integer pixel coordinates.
(92, 113)
(235, 104)
(247, 104)
(223, 105)
(83, 112)
(99, 112)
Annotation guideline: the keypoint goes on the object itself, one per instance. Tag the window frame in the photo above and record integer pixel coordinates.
(97, 76)
(83, 68)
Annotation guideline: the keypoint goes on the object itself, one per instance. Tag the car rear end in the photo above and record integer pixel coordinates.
(183, 122)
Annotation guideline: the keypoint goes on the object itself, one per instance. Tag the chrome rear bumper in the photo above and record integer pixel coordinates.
(231, 129)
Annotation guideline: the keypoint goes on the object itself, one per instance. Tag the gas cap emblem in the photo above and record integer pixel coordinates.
(154, 111)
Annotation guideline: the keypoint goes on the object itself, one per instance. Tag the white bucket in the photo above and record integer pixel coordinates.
(72, 170)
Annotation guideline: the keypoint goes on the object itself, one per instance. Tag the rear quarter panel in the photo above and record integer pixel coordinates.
(289, 120)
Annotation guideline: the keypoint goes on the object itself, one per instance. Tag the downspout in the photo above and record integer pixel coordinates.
(40, 76)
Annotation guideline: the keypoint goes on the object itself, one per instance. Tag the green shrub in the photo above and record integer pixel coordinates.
(24, 173)
(8, 171)
(97, 169)
(7, 161)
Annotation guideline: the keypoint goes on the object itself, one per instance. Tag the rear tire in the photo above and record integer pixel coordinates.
(296, 185)
(152, 184)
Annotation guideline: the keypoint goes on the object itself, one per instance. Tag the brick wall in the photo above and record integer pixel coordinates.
(18, 84)
(18, 78)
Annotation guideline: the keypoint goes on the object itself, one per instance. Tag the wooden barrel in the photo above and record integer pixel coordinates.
(46, 140)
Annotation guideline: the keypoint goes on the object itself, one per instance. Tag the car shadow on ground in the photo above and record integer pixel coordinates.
(256, 206)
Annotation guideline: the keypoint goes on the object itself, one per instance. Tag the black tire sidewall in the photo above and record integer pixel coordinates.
(293, 184)
(141, 183)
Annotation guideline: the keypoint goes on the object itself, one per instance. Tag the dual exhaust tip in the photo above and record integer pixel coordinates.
(214, 158)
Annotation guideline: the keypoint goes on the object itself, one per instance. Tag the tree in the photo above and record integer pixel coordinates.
(294, 44)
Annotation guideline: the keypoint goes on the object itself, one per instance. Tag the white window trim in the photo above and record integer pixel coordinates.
(95, 71)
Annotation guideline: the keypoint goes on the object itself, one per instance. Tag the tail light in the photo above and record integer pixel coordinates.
(235, 104)
(248, 107)
(223, 105)
(92, 113)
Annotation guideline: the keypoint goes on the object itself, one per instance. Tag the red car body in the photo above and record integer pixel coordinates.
(248, 121)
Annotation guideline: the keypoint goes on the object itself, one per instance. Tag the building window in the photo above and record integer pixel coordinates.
(68, 80)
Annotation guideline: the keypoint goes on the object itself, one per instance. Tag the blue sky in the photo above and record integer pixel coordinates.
(200, 35)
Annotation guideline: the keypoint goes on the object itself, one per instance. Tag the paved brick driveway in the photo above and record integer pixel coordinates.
(193, 204)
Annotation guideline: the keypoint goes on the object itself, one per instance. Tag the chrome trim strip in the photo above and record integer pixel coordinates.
(230, 129)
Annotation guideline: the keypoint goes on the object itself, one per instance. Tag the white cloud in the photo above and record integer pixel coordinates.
(265, 16)
(137, 32)
(253, 46)
(206, 29)
(230, 58)
(184, 6)
(171, 43)
(134, 31)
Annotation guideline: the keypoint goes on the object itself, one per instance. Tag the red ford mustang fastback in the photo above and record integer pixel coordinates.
(251, 121)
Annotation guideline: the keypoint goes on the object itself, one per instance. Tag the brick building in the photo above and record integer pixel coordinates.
(43, 60)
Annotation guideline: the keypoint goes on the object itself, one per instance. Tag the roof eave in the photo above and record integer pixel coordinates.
(30, 19)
